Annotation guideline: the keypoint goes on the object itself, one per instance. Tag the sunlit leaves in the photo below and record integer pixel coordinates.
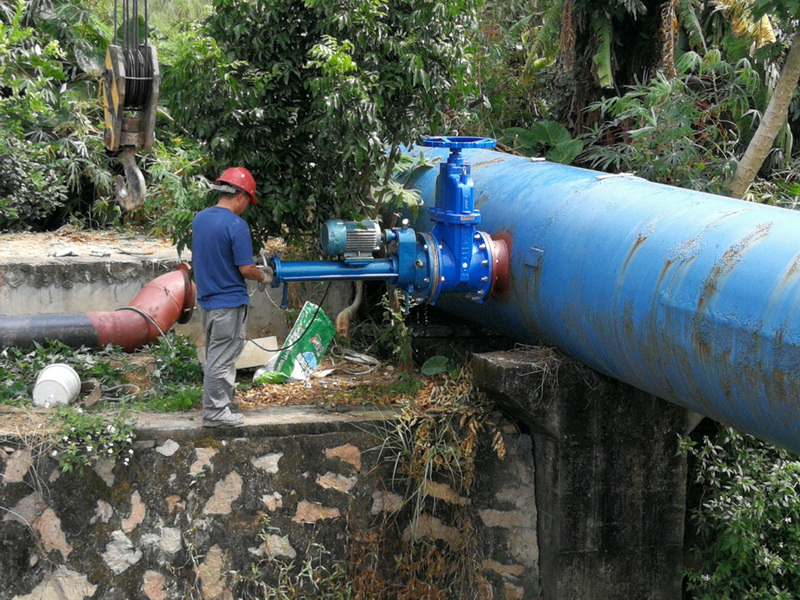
(749, 520)
(309, 95)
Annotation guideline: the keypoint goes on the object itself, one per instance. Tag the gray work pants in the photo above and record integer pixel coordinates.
(225, 330)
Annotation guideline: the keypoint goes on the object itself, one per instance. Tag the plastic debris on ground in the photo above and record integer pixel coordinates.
(303, 349)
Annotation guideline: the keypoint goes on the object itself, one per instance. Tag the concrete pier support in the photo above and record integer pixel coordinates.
(610, 484)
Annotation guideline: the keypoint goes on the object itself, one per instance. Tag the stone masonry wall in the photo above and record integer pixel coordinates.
(196, 512)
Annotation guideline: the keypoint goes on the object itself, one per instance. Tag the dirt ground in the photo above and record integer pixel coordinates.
(71, 242)
(347, 384)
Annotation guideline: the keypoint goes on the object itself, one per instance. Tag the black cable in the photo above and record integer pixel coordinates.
(151, 320)
(314, 318)
(138, 75)
(125, 23)
(135, 41)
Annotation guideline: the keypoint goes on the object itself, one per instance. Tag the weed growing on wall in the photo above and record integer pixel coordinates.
(81, 439)
(748, 520)
(317, 576)
(431, 450)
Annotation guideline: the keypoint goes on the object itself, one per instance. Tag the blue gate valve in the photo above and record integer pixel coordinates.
(453, 258)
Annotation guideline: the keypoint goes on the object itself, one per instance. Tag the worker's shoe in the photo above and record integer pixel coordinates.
(225, 419)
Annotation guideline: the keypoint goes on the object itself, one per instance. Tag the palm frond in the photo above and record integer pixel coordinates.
(543, 45)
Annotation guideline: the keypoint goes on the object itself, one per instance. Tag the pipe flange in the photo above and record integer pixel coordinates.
(429, 245)
(500, 243)
(189, 293)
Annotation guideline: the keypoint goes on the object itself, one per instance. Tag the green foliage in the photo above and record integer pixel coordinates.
(749, 521)
(433, 444)
(311, 95)
(177, 376)
(505, 98)
(51, 160)
(435, 365)
(174, 16)
(318, 575)
(785, 9)
(544, 138)
(781, 189)
(394, 338)
(53, 164)
(81, 439)
(677, 131)
(176, 189)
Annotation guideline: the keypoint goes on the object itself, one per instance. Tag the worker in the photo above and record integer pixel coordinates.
(222, 259)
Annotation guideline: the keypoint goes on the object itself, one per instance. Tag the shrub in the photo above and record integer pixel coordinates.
(748, 522)
(310, 95)
(678, 131)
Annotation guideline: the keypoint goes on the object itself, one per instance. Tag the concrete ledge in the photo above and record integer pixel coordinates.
(260, 422)
(33, 281)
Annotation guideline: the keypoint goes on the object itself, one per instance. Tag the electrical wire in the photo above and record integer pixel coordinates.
(310, 323)
(152, 322)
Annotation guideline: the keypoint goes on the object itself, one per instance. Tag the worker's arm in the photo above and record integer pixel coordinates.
(255, 273)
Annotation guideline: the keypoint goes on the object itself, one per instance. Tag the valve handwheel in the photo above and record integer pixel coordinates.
(458, 142)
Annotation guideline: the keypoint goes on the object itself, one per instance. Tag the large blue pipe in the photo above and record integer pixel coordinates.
(689, 296)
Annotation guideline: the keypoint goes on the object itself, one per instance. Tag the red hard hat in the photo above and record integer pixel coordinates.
(242, 179)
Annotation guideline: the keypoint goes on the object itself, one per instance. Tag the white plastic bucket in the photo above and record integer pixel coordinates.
(56, 384)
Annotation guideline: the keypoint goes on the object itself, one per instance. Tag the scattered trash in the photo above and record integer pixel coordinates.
(304, 348)
(100, 253)
(61, 252)
(135, 252)
(56, 384)
(94, 391)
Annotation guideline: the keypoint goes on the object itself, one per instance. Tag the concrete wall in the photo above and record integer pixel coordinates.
(610, 481)
(209, 513)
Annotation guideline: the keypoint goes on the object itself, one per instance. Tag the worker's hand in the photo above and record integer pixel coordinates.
(268, 277)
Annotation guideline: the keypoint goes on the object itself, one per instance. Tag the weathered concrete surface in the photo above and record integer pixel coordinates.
(610, 484)
(198, 509)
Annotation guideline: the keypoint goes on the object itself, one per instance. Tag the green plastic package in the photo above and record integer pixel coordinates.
(304, 348)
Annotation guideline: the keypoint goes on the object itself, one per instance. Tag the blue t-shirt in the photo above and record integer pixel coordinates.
(220, 245)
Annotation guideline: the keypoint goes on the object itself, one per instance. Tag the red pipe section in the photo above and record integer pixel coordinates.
(166, 300)
(161, 303)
